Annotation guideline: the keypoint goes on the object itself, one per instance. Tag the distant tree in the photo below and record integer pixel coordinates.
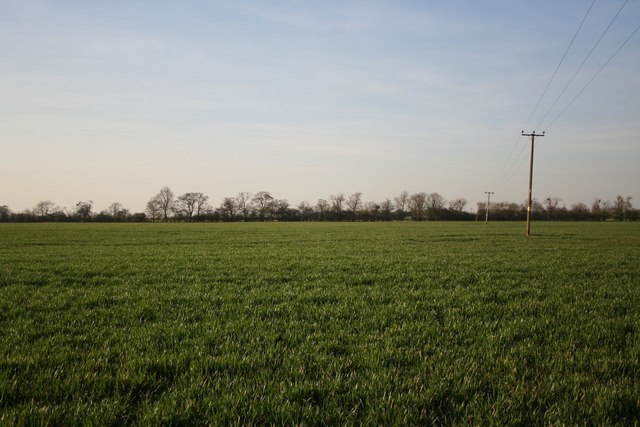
(502, 211)
(418, 206)
(138, 217)
(337, 205)
(537, 209)
(551, 204)
(243, 203)
(386, 209)
(354, 203)
(153, 209)
(280, 208)
(514, 211)
(190, 204)
(306, 211)
(607, 209)
(628, 207)
(632, 214)
(435, 204)
(166, 201)
(115, 209)
(84, 210)
(458, 204)
(401, 202)
(228, 208)
(561, 213)
(201, 204)
(103, 216)
(322, 207)
(117, 212)
(5, 213)
(579, 212)
(620, 208)
(45, 208)
(370, 211)
(262, 202)
(596, 209)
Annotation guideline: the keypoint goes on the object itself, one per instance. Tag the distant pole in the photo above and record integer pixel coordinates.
(488, 193)
(533, 138)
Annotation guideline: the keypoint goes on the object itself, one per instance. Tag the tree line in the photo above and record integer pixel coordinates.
(551, 209)
(165, 206)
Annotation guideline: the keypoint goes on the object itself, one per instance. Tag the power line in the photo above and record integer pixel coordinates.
(544, 92)
(503, 172)
(498, 180)
(514, 164)
(594, 76)
(519, 161)
(582, 64)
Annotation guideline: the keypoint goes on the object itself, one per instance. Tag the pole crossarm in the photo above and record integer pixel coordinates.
(533, 138)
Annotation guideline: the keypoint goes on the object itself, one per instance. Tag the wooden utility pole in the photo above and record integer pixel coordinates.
(533, 138)
(488, 193)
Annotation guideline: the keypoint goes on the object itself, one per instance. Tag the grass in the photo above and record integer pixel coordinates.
(360, 323)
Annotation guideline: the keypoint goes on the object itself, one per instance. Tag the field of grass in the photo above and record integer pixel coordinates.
(320, 323)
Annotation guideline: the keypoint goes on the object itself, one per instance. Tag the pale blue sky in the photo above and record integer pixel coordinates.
(110, 101)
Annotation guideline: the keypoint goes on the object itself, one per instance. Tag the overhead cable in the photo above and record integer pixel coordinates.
(594, 76)
(505, 171)
(582, 64)
(544, 92)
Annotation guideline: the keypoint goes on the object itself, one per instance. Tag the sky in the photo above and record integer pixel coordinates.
(111, 101)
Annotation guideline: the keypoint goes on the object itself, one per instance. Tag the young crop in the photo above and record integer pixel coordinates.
(341, 323)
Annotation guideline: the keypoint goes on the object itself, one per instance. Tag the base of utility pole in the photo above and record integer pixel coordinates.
(533, 137)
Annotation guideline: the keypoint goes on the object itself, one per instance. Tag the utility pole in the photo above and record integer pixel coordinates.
(533, 138)
(488, 193)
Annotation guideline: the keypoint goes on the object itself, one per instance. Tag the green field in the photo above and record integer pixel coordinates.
(320, 323)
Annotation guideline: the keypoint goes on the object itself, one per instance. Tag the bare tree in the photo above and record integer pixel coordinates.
(458, 204)
(166, 200)
(84, 209)
(306, 211)
(153, 209)
(370, 211)
(184, 206)
(386, 207)
(262, 202)
(435, 203)
(116, 211)
(201, 204)
(5, 213)
(536, 207)
(322, 207)
(280, 208)
(551, 205)
(418, 206)
(190, 204)
(401, 204)
(354, 203)
(596, 209)
(243, 202)
(620, 207)
(337, 202)
(44, 208)
(228, 208)
(579, 211)
(607, 209)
